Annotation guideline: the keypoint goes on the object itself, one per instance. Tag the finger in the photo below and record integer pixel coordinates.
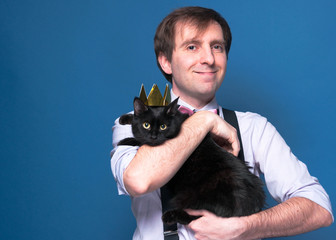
(235, 148)
(232, 144)
(194, 212)
(235, 145)
(232, 148)
(200, 237)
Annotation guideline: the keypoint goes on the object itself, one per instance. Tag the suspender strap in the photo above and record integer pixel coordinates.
(170, 231)
(231, 118)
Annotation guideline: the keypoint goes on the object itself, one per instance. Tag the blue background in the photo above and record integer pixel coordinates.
(69, 68)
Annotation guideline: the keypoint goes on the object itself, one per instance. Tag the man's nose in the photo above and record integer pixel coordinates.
(207, 56)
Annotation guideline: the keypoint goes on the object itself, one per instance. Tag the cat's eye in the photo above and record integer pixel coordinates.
(163, 127)
(146, 125)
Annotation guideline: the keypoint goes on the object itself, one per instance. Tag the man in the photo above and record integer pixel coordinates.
(192, 46)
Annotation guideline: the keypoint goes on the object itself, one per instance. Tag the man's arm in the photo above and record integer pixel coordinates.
(152, 167)
(294, 216)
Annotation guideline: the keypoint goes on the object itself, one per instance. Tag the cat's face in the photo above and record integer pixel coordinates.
(155, 125)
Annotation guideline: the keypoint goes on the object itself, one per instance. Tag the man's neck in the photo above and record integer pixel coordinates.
(195, 103)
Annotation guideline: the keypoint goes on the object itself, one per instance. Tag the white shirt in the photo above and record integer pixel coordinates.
(265, 152)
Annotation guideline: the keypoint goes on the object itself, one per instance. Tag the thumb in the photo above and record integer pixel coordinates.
(194, 212)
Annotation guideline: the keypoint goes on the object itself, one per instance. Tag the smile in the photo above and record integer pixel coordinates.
(206, 73)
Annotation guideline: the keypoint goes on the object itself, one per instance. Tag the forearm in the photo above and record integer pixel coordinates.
(294, 216)
(152, 167)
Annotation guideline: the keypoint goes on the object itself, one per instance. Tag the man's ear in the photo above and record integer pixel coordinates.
(165, 64)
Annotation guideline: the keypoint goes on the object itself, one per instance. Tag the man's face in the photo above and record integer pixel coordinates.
(198, 63)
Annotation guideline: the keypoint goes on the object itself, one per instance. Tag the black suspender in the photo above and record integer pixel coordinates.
(170, 231)
(231, 118)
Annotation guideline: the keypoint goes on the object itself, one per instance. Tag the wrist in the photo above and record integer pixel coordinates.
(205, 119)
(248, 227)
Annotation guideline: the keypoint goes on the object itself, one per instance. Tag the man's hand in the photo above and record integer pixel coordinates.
(211, 227)
(225, 135)
(294, 216)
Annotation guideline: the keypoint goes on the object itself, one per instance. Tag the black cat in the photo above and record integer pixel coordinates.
(211, 178)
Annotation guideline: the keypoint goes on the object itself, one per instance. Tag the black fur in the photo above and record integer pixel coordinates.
(211, 178)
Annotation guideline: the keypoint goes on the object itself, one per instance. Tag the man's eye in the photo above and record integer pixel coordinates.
(218, 48)
(146, 125)
(191, 47)
(163, 127)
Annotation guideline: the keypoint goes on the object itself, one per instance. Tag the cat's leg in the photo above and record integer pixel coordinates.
(126, 119)
(129, 141)
(177, 216)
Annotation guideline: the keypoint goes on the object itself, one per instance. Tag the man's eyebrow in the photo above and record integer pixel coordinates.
(214, 42)
(190, 41)
(198, 42)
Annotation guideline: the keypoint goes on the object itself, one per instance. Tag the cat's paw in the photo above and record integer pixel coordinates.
(169, 217)
(177, 216)
(126, 119)
(129, 142)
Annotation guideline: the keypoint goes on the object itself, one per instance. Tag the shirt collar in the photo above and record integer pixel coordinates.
(211, 105)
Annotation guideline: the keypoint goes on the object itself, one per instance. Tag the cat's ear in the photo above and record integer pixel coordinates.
(139, 106)
(172, 108)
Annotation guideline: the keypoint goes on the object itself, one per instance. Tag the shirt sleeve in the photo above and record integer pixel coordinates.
(285, 176)
(121, 156)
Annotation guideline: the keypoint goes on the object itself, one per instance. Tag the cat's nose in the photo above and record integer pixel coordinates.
(153, 136)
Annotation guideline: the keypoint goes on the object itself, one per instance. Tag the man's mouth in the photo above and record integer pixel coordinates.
(206, 73)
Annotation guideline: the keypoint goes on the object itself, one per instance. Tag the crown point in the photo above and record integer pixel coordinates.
(143, 95)
(166, 97)
(154, 97)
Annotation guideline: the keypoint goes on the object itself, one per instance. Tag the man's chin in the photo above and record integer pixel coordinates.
(205, 96)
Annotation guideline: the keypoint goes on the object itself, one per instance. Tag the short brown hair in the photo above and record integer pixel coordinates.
(164, 40)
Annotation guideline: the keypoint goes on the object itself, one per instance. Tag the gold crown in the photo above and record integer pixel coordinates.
(154, 97)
